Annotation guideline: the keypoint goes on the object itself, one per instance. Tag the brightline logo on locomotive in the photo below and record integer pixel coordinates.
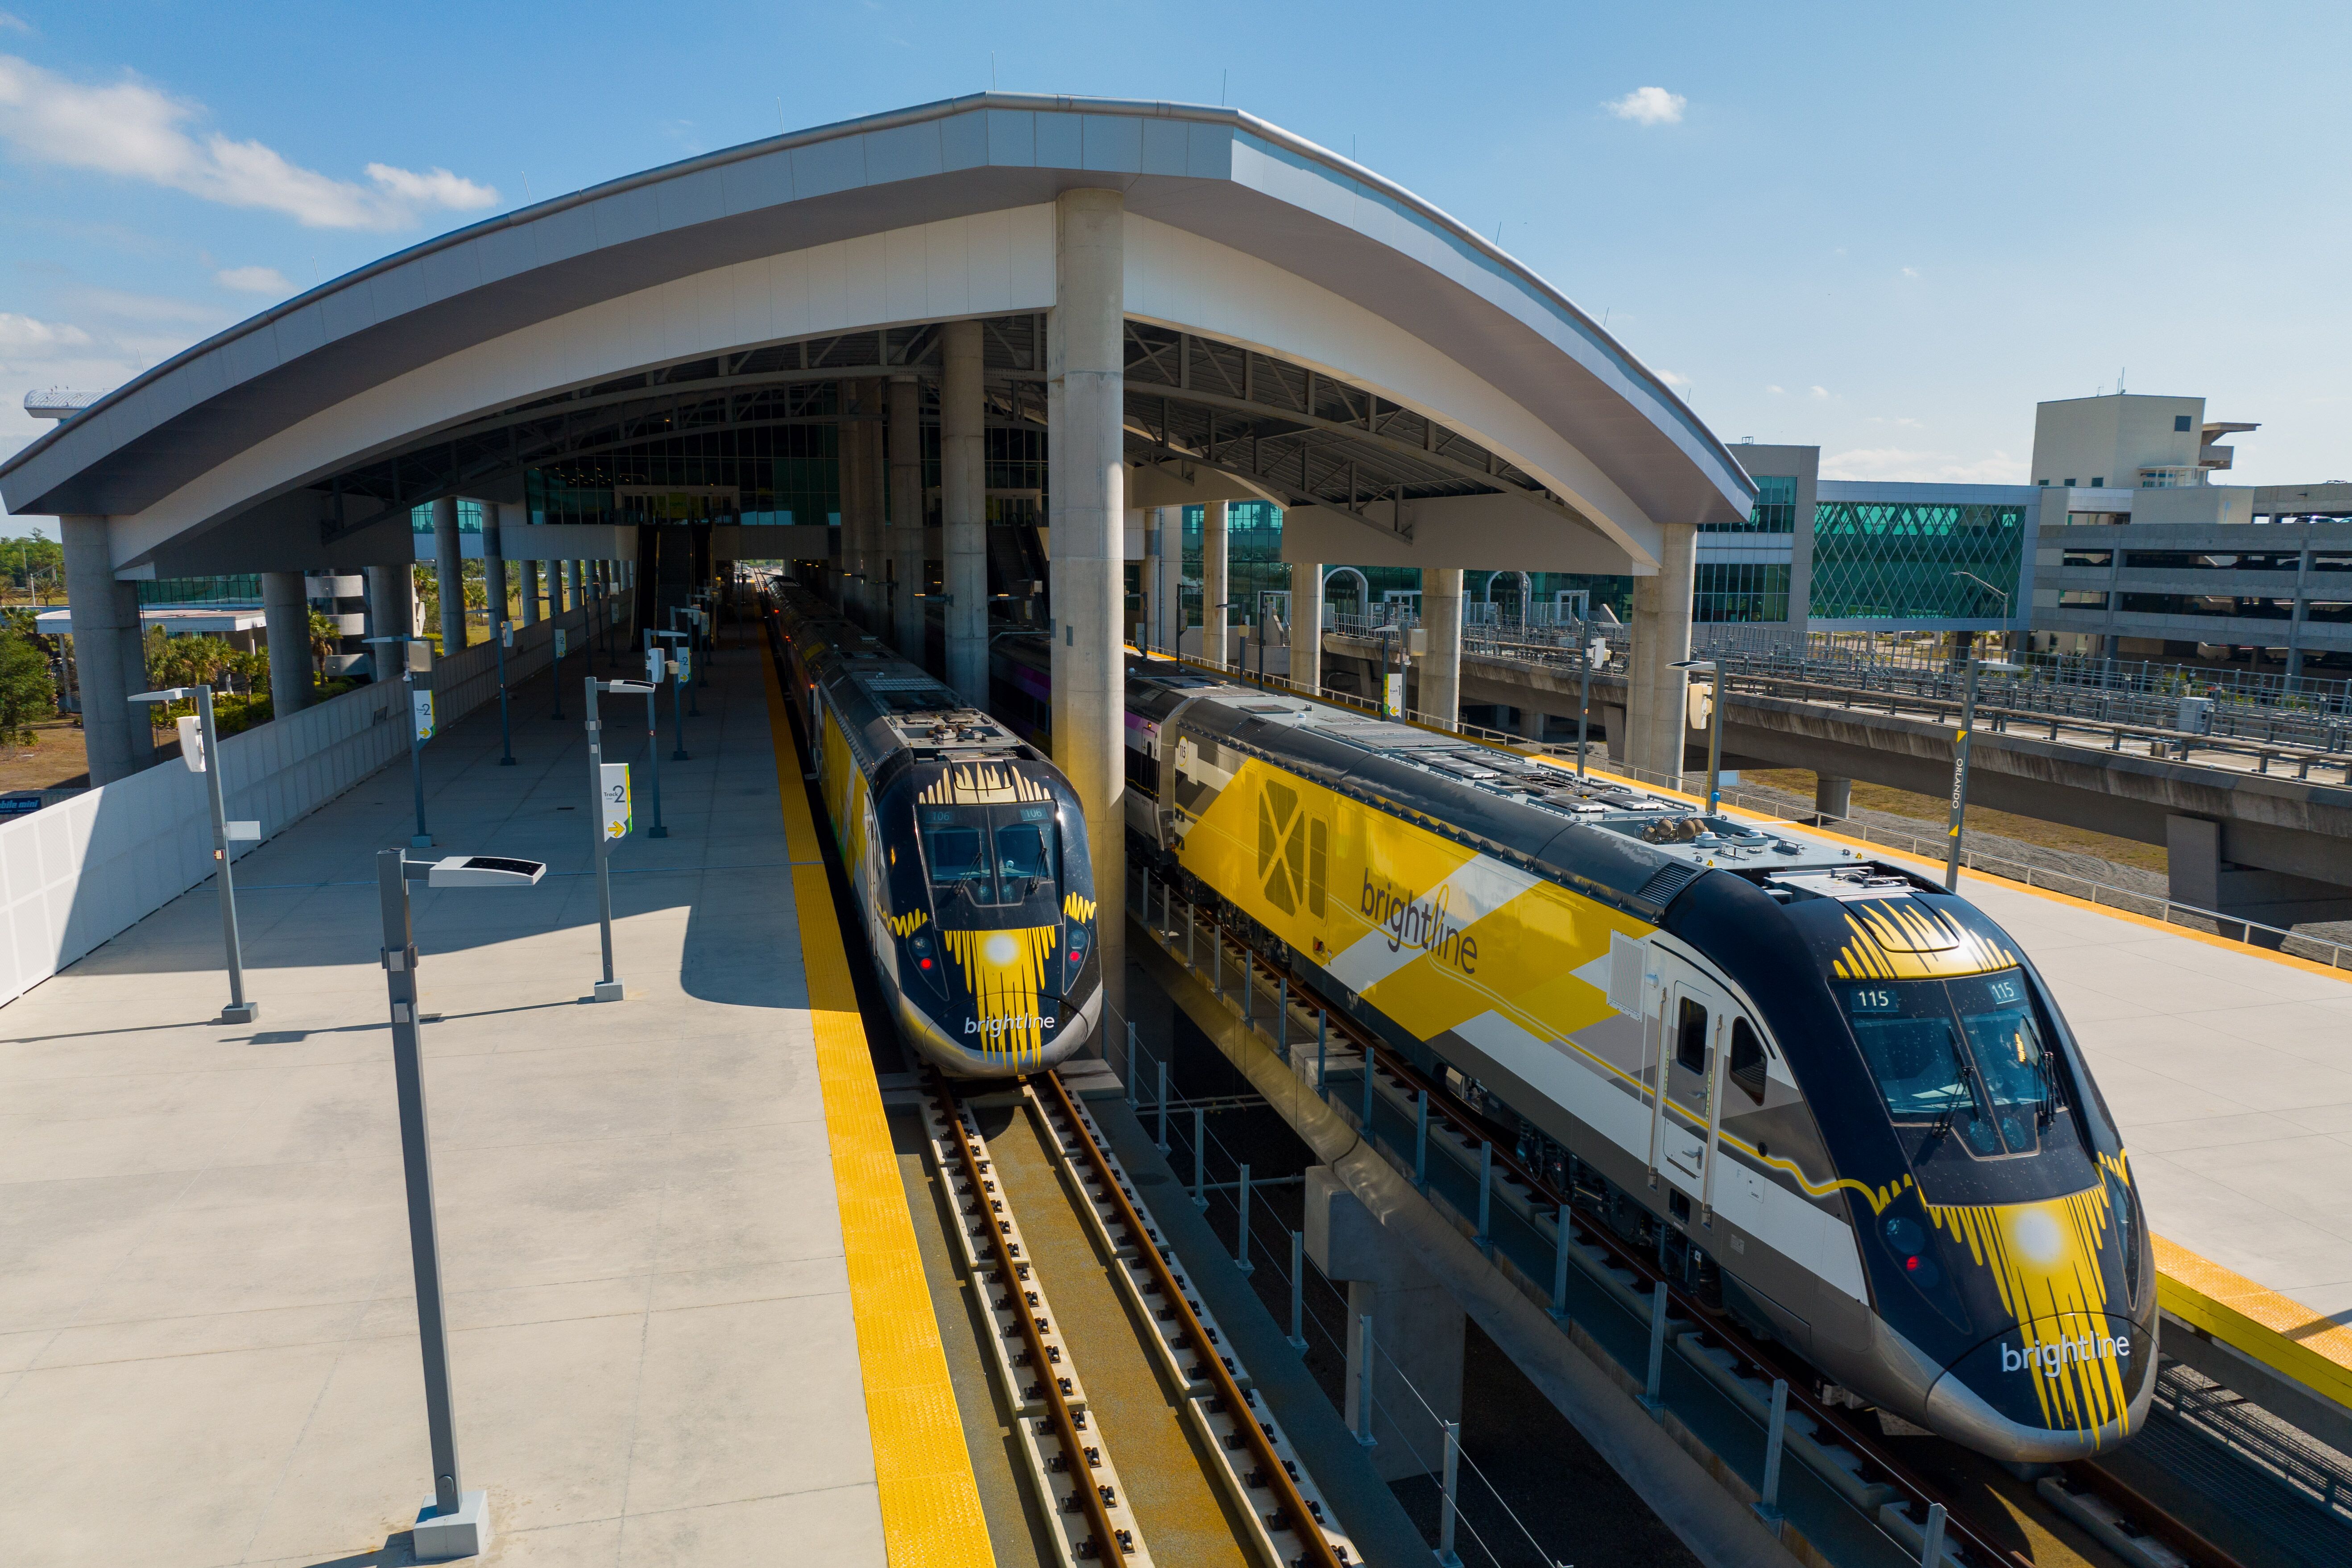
(994, 1026)
(1410, 923)
(2052, 1359)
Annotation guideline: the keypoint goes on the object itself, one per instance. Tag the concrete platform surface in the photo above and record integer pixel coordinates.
(208, 1347)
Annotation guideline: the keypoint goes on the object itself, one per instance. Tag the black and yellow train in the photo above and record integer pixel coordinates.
(1878, 1141)
(965, 849)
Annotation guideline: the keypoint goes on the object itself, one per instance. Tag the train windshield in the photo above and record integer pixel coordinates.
(992, 855)
(1964, 1054)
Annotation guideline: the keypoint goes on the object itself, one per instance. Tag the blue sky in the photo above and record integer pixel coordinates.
(1885, 229)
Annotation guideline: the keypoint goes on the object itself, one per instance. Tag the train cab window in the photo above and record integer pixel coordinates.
(1905, 1029)
(1746, 1066)
(955, 848)
(1690, 1035)
(2005, 1039)
(1024, 852)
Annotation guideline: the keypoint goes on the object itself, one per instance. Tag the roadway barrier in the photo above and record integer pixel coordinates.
(75, 874)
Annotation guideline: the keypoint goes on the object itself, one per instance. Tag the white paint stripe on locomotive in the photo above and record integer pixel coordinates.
(1764, 1209)
(1472, 892)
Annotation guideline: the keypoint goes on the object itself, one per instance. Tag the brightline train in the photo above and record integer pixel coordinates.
(1879, 1142)
(966, 853)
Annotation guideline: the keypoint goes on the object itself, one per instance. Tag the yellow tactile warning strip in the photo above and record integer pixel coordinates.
(2285, 1335)
(931, 1502)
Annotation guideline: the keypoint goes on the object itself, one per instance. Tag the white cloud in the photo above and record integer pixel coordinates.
(134, 131)
(23, 338)
(1910, 272)
(1820, 392)
(1778, 391)
(1674, 379)
(12, 23)
(253, 280)
(1649, 106)
(1895, 463)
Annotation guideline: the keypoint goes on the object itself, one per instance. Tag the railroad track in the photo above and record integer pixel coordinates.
(1068, 1458)
(1850, 1456)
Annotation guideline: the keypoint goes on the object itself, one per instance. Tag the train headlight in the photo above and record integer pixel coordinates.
(1906, 1236)
(1077, 942)
(921, 947)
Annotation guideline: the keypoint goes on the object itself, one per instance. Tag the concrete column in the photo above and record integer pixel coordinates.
(450, 573)
(1163, 545)
(494, 560)
(1440, 617)
(906, 554)
(391, 612)
(1417, 1329)
(1832, 798)
(1662, 635)
(1214, 582)
(1085, 451)
(1530, 722)
(530, 591)
(963, 511)
(286, 617)
(576, 571)
(1307, 625)
(117, 738)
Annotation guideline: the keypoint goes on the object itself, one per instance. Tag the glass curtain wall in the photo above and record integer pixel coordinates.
(1775, 510)
(1875, 559)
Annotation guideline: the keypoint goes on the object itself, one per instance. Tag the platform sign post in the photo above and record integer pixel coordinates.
(1714, 695)
(1977, 667)
(503, 635)
(563, 646)
(200, 748)
(677, 655)
(610, 780)
(453, 1522)
(656, 671)
(416, 678)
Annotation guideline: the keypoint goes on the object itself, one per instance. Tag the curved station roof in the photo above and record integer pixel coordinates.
(1293, 321)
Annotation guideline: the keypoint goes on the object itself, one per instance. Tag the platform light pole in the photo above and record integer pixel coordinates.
(1584, 663)
(417, 660)
(557, 645)
(1977, 667)
(1713, 668)
(454, 1522)
(1997, 592)
(200, 748)
(609, 784)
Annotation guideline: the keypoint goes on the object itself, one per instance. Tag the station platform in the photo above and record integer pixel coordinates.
(682, 1327)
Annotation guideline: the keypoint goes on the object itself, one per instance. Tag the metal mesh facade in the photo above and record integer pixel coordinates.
(1882, 560)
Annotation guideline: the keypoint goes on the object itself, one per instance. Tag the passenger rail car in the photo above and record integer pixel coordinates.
(966, 853)
(1879, 1142)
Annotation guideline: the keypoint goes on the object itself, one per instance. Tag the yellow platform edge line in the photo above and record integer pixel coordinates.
(922, 1470)
(2278, 1332)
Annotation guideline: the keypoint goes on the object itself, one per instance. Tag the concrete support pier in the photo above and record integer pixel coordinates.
(1417, 1329)
(108, 656)
(1214, 585)
(286, 620)
(963, 511)
(907, 554)
(1086, 451)
(1833, 799)
(1661, 636)
(1307, 625)
(450, 574)
(1163, 558)
(1441, 669)
(494, 562)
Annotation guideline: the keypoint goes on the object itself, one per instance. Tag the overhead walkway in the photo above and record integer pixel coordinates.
(688, 1321)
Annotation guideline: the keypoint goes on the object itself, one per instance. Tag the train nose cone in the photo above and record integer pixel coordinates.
(2050, 1389)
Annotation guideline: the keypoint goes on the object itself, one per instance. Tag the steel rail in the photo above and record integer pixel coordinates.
(1105, 1535)
(1301, 1519)
(1444, 1104)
